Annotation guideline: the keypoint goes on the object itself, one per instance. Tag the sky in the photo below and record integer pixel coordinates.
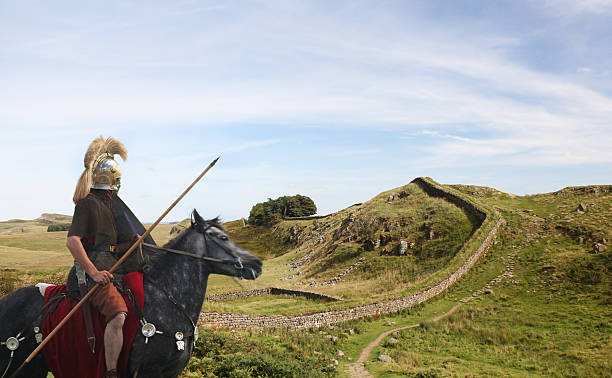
(336, 100)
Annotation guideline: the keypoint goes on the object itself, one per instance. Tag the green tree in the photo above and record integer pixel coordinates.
(272, 211)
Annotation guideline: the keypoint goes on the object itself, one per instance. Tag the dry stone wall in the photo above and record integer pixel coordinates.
(270, 291)
(372, 309)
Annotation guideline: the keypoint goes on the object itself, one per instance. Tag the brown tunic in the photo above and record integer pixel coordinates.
(94, 223)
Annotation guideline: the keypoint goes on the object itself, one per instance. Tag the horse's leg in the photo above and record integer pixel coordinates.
(20, 313)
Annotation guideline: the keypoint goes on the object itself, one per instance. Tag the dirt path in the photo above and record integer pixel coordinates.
(357, 369)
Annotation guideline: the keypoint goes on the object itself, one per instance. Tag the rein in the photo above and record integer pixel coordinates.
(222, 261)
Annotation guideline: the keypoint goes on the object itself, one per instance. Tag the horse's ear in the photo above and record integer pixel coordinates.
(196, 218)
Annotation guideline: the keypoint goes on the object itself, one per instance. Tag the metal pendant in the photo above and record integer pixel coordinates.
(180, 344)
(149, 330)
(37, 335)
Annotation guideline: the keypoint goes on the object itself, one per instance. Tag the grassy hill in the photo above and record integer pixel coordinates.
(538, 303)
(312, 254)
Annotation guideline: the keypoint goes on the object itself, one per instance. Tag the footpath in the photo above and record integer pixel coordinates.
(357, 369)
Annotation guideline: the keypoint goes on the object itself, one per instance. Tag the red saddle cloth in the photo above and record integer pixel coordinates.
(68, 355)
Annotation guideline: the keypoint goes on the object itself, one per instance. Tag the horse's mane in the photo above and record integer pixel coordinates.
(215, 222)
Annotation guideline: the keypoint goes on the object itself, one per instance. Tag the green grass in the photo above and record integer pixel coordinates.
(409, 218)
(555, 321)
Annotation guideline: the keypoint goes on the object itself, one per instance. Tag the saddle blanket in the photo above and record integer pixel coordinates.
(68, 354)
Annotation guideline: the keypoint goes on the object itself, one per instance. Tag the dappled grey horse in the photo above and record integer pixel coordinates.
(174, 289)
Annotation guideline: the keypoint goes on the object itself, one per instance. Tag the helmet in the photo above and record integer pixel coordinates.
(101, 169)
(106, 173)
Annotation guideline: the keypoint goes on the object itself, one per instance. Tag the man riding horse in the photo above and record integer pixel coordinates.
(96, 243)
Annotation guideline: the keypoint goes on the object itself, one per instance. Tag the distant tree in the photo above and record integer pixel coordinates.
(58, 227)
(272, 211)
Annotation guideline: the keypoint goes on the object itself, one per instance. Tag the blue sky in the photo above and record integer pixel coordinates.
(335, 100)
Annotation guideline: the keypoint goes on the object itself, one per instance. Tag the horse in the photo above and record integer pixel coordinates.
(174, 287)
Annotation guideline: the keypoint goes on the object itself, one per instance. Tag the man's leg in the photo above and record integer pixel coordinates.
(113, 340)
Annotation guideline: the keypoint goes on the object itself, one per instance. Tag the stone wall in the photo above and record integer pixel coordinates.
(436, 191)
(378, 308)
(270, 291)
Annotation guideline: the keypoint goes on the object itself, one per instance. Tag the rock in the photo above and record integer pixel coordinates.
(431, 234)
(598, 247)
(396, 333)
(340, 353)
(488, 291)
(392, 341)
(351, 331)
(580, 240)
(403, 246)
(388, 323)
(334, 362)
(581, 208)
(384, 358)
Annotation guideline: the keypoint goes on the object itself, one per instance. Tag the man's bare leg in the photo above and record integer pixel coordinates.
(113, 340)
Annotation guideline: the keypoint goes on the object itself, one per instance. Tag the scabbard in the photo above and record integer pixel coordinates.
(91, 336)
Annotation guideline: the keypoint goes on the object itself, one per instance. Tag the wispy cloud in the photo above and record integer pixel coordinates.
(465, 96)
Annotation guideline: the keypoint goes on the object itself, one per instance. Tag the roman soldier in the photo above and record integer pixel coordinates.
(96, 243)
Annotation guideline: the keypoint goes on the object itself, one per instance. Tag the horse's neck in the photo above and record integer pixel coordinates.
(183, 279)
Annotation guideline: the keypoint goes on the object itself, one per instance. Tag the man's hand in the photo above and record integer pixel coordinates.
(121, 248)
(101, 276)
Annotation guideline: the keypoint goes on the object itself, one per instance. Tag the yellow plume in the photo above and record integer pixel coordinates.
(98, 147)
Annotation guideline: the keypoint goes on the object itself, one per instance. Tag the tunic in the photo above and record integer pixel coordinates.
(94, 223)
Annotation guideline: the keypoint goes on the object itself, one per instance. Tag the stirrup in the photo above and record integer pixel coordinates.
(112, 373)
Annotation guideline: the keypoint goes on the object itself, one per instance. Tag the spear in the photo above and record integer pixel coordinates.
(119, 262)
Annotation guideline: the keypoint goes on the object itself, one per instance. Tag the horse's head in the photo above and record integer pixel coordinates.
(210, 240)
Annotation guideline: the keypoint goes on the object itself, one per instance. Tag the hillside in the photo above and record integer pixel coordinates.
(395, 244)
(538, 302)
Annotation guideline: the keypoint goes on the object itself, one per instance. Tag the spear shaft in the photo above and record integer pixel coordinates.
(119, 262)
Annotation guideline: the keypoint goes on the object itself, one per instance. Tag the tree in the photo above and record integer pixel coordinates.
(272, 211)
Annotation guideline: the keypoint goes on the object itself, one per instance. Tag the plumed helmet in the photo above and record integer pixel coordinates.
(106, 173)
(101, 169)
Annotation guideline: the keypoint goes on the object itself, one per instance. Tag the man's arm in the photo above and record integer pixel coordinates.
(78, 252)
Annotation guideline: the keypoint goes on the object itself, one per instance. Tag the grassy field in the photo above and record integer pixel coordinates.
(551, 318)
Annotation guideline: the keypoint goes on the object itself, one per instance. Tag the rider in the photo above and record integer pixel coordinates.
(93, 239)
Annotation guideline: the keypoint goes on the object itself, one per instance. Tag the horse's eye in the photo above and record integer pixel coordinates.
(223, 237)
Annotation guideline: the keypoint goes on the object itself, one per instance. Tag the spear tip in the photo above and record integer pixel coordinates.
(215, 161)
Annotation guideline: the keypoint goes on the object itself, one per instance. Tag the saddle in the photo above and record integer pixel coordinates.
(68, 354)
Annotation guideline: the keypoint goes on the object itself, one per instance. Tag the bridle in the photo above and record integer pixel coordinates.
(200, 228)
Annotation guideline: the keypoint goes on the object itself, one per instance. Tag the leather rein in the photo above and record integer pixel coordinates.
(236, 262)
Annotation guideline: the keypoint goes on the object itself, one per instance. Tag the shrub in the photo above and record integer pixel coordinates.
(272, 211)
(58, 227)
